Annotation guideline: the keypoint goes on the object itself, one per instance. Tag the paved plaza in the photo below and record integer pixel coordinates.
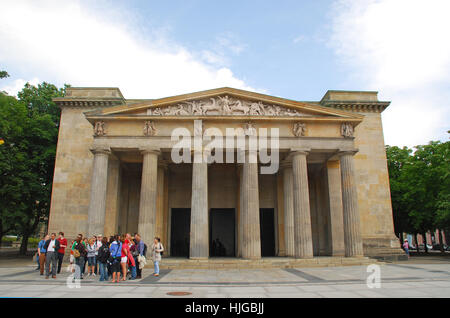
(416, 278)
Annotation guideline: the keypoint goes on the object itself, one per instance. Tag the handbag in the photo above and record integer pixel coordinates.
(76, 253)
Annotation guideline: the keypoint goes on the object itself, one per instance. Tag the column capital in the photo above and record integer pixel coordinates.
(300, 151)
(347, 152)
(101, 150)
(151, 150)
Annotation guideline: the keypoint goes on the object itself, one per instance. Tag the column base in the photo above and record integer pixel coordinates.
(198, 258)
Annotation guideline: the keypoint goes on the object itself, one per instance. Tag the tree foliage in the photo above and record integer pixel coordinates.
(29, 129)
(420, 187)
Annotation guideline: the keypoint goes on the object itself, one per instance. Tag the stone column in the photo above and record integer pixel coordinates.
(147, 204)
(352, 228)
(302, 216)
(288, 198)
(251, 239)
(97, 203)
(199, 237)
(335, 208)
(239, 209)
(160, 211)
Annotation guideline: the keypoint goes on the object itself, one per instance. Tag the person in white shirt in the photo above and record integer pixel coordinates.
(98, 244)
(51, 246)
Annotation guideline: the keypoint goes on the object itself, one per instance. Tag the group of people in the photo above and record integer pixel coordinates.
(119, 257)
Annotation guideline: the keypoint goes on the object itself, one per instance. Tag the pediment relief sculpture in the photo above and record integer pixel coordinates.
(223, 106)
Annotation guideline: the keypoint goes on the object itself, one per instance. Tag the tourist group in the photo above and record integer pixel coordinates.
(117, 258)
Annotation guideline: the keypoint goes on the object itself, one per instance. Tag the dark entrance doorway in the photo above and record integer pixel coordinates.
(180, 232)
(221, 232)
(267, 228)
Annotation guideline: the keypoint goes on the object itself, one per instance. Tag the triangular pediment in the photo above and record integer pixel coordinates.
(224, 102)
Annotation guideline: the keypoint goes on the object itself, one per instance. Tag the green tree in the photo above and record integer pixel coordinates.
(29, 126)
(12, 163)
(420, 187)
(3, 74)
(397, 159)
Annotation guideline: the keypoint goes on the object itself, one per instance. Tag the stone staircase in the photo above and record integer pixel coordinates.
(264, 263)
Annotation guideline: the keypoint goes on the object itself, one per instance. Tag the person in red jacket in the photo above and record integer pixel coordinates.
(62, 248)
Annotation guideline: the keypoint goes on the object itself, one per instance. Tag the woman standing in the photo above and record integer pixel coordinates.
(80, 253)
(91, 249)
(157, 249)
(103, 256)
(124, 257)
(116, 250)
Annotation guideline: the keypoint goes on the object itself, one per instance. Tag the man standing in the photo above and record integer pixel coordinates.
(140, 247)
(52, 247)
(62, 246)
(41, 253)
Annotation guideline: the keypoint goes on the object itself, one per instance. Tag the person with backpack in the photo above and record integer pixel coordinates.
(157, 250)
(140, 250)
(41, 253)
(102, 258)
(115, 250)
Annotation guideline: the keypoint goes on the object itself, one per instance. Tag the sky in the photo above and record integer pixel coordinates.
(295, 49)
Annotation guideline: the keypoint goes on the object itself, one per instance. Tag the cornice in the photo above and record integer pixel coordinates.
(357, 106)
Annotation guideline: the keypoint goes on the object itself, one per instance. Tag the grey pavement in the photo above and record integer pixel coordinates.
(397, 280)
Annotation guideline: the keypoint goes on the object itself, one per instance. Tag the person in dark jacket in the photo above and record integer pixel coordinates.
(79, 261)
(51, 256)
(102, 259)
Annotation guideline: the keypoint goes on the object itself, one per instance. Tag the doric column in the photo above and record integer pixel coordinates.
(302, 216)
(97, 204)
(199, 237)
(251, 239)
(335, 208)
(288, 192)
(240, 207)
(160, 198)
(147, 204)
(352, 229)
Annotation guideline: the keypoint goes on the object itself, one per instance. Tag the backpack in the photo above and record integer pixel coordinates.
(145, 249)
(134, 251)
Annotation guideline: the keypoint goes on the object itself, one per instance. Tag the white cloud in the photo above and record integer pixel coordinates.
(16, 86)
(299, 39)
(63, 42)
(399, 48)
(224, 46)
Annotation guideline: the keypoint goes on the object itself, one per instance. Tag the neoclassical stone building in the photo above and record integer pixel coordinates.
(115, 173)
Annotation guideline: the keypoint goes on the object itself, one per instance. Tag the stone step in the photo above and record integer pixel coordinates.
(264, 263)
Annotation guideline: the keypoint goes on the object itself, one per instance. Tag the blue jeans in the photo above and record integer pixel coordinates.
(133, 272)
(156, 267)
(103, 271)
(91, 260)
(79, 262)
